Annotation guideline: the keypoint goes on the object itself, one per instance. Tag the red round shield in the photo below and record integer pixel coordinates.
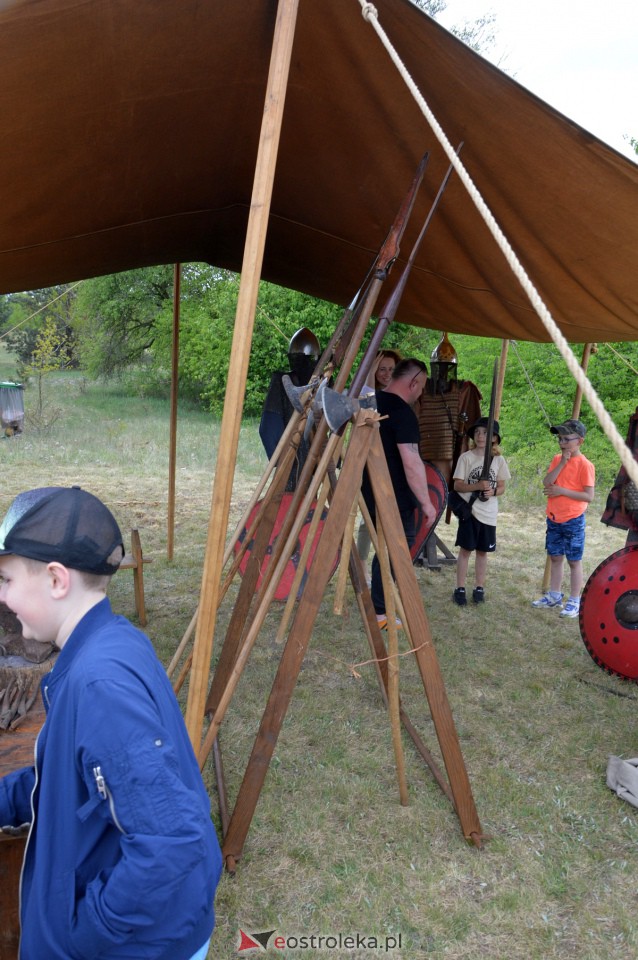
(285, 584)
(609, 614)
(437, 488)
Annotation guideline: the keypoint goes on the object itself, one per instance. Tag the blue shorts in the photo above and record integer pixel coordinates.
(566, 539)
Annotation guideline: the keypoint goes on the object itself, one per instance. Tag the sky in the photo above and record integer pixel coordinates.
(580, 56)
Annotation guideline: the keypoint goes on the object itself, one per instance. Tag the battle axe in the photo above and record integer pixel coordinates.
(338, 408)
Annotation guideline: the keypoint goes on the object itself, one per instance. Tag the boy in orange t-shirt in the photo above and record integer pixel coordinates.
(569, 487)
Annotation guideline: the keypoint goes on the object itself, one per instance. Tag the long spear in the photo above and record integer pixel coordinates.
(386, 316)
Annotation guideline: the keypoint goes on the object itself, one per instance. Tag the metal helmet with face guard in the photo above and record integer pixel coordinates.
(443, 364)
(303, 353)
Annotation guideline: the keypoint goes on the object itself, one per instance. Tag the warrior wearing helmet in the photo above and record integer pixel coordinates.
(444, 408)
(303, 354)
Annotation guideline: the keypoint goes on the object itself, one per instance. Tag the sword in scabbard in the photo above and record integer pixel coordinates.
(459, 437)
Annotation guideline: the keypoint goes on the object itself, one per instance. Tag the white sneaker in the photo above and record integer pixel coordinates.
(571, 609)
(547, 601)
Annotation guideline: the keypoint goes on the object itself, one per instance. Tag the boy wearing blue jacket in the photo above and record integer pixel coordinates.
(122, 859)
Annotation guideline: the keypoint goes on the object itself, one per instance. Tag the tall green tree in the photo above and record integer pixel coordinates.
(114, 317)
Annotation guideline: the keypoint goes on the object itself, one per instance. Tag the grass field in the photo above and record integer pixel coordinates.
(331, 851)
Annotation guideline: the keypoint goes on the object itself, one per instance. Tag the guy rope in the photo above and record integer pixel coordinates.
(370, 14)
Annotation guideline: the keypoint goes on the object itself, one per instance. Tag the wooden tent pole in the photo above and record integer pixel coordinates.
(238, 365)
(172, 450)
(578, 398)
(501, 378)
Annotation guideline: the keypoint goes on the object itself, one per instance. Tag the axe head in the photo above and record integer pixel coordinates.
(294, 393)
(317, 400)
(338, 409)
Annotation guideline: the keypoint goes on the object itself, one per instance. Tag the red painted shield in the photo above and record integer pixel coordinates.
(609, 614)
(285, 584)
(437, 488)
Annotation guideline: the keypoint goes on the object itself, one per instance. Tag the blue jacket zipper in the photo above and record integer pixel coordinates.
(106, 794)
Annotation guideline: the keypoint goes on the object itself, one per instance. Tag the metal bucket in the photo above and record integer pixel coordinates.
(11, 408)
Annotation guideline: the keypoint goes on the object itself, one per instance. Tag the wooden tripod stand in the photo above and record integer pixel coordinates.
(364, 448)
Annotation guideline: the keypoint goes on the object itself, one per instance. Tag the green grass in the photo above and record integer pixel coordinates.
(330, 849)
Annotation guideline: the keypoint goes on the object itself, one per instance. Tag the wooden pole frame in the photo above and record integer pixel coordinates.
(253, 604)
(364, 446)
(238, 364)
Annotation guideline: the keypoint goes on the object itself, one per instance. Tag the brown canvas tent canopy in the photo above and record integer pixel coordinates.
(131, 132)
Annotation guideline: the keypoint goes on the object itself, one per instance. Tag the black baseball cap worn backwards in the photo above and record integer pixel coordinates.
(65, 524)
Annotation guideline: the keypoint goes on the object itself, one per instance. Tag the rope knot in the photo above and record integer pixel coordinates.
(368, 10)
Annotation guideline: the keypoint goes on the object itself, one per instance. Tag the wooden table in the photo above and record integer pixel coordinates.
(16, 751)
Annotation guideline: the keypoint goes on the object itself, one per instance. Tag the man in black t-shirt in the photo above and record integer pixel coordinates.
(400, 438)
